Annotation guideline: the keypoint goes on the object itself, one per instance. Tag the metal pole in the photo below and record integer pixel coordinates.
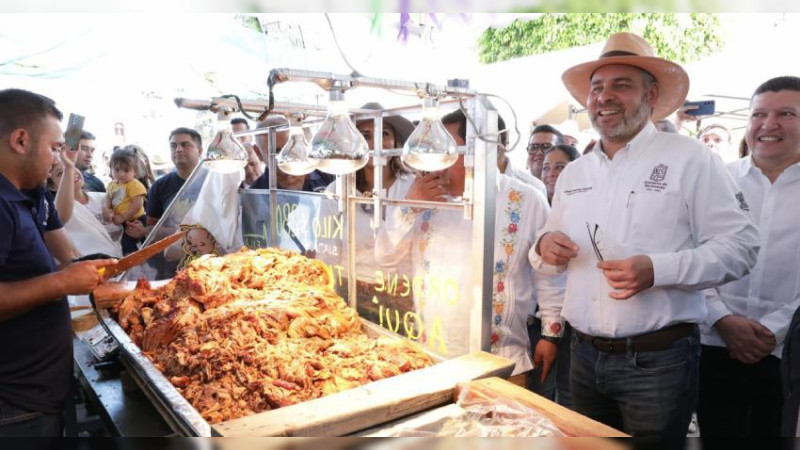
(273, 185)
(484, 194)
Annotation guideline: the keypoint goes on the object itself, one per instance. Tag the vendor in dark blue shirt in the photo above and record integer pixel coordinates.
(36, 354)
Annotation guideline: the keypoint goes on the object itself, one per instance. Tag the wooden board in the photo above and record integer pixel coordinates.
(108, 294)
(568, 421)
(373, 403)
(83, 319)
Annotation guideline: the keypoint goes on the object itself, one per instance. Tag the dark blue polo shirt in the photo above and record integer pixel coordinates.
(92, 183)
(35, 347)
(162, 192)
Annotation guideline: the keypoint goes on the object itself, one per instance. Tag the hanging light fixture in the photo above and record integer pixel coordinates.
(338, 148)
(225, 153)
(293, 157)
(430, 147)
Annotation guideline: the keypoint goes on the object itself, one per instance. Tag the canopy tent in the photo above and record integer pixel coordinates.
(128, 68)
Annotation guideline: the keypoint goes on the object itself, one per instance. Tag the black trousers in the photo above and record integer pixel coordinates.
(738, 399)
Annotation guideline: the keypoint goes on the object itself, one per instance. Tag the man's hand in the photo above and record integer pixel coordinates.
(135, 229)
(682, 117)
(544, 355)
(628, 276)
(430, 187)
(82, 277)
(748, 341)
(556, 248)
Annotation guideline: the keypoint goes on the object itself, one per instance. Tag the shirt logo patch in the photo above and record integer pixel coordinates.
(656, 181)
(742, 204)
(659, 173)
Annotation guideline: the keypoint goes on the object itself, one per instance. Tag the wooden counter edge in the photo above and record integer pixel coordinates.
(372, 404)
(570, 422)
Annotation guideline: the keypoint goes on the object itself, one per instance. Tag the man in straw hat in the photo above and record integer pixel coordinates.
(641, 224)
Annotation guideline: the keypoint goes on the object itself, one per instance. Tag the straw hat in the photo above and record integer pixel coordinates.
(402, 126)
(631, 50)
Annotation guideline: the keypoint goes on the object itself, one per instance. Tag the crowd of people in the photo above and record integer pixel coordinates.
(639, 281)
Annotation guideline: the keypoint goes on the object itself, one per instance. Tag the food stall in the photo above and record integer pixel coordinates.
(185, 333)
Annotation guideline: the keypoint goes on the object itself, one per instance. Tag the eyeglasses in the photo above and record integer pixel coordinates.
(534, 148)
(594, 239)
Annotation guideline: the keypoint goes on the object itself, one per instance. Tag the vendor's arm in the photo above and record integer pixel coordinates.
(18, 297)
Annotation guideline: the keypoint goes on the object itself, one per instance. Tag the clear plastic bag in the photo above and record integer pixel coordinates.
(476, 415)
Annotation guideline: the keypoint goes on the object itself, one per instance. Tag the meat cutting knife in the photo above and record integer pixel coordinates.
(138, 257)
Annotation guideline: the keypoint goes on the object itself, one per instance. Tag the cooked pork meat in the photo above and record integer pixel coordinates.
(257, 330)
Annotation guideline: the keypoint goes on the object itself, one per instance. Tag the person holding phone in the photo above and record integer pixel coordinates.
(36, 354)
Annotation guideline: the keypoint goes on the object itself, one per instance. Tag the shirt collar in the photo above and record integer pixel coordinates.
(9, 192)
(636, 145)
(749, 167)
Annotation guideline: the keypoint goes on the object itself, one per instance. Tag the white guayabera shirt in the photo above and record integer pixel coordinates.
(665, 196)
(771, 292)
(526, 177)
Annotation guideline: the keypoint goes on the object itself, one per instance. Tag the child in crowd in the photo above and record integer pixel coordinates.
(126, 194)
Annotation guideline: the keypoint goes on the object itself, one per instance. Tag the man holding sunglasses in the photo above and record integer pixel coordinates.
(542, 139)
(641, 225)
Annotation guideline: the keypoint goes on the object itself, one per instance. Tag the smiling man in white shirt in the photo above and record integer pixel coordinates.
(641, 225)
(748, 318)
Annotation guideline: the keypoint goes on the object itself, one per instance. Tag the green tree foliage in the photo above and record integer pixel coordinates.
(677, 37)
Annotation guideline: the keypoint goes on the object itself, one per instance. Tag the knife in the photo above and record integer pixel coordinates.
(138, 257)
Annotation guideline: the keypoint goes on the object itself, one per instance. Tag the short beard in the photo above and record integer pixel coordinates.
(629, 126)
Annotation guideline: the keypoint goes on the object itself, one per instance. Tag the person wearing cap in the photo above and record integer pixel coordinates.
(641, 225)
(746, 327)
(396, 130)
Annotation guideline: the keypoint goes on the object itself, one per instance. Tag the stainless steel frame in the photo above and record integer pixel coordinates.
(478, 204)
(478, 200)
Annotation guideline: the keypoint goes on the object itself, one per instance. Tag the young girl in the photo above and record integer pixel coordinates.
(126, 194)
